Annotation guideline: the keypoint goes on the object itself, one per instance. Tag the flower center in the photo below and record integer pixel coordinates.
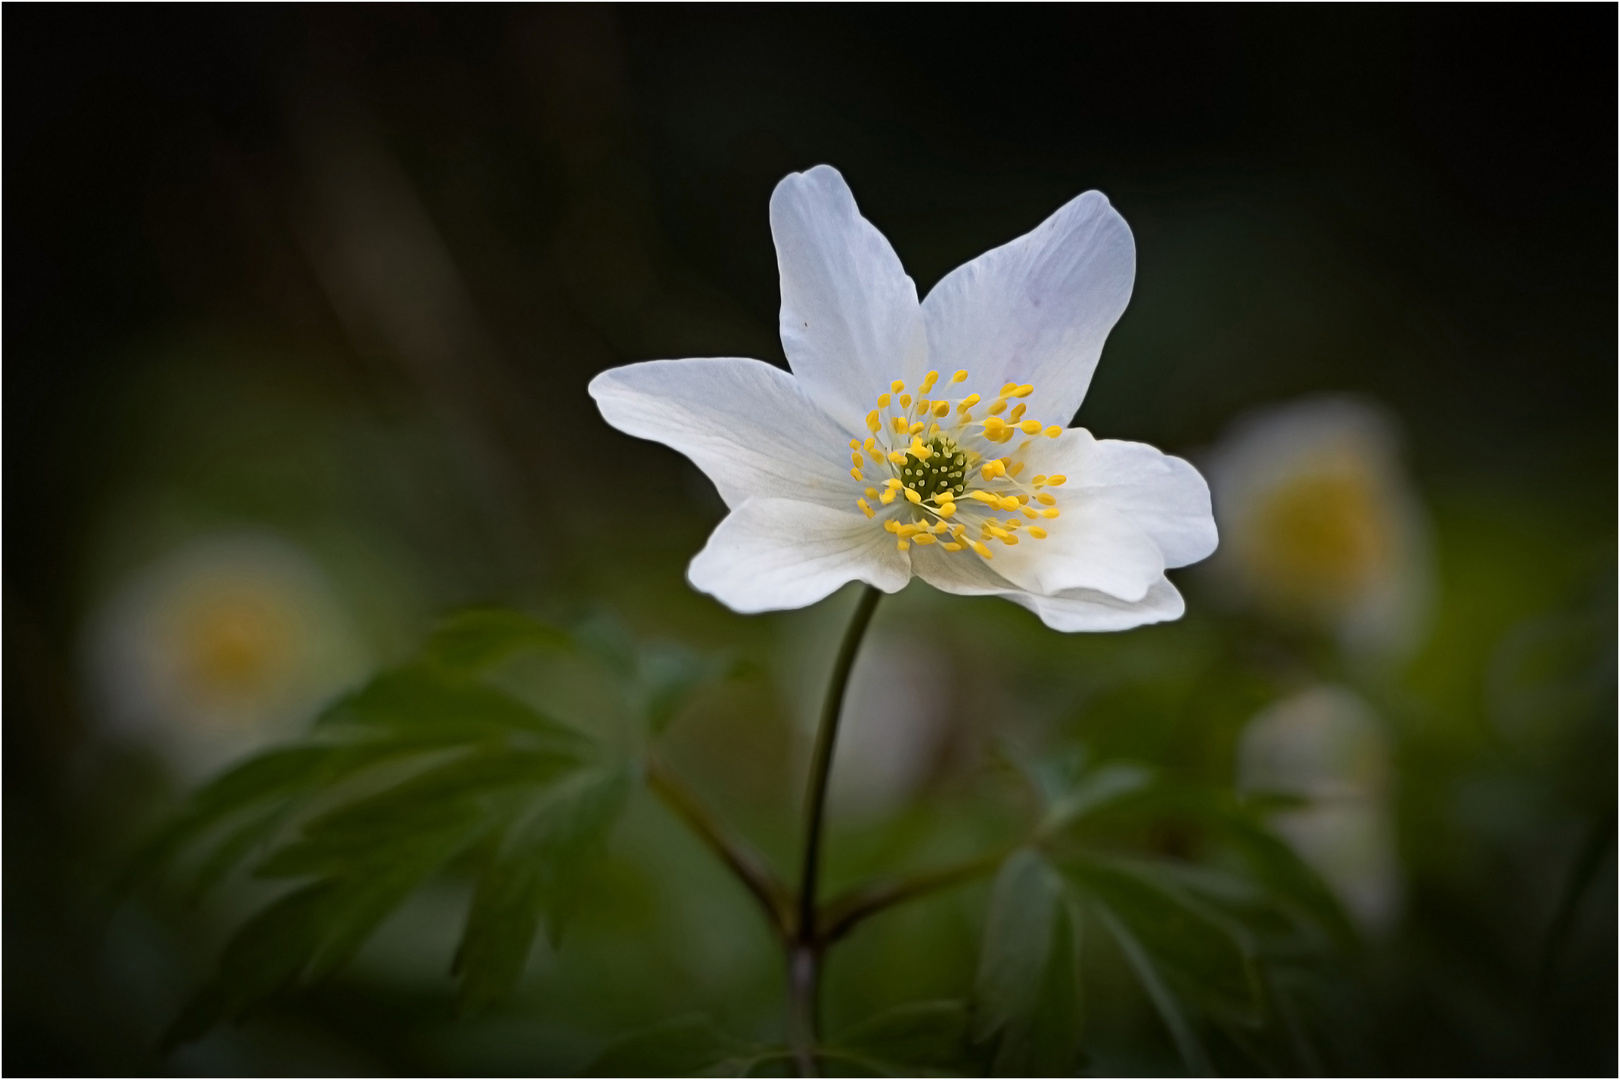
(932, 452)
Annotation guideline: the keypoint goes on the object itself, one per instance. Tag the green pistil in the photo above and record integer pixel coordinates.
(941, 472)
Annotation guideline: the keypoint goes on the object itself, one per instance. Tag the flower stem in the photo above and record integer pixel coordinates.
(804, 955)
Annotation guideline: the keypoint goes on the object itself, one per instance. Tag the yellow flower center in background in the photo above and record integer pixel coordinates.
(948, 467)
(1323, 538)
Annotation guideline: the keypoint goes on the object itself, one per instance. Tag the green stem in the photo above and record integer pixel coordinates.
(804, 957)
(840, 915)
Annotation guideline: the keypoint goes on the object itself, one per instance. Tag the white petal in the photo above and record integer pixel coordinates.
(772, 554)
(749, 426)
(1092, 546)
(1081, 609)
(1037, 310)
(850, 320)
(1069, 611)
(1162, 495)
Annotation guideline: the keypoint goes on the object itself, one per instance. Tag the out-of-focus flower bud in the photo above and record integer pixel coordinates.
(1319, 524)
(1326, 747)
(227, 643)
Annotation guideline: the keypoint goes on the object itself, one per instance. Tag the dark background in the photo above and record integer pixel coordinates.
(1414, 203)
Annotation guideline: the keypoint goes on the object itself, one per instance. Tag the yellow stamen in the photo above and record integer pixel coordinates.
(905, 401)
(897, 457)
(1038, 479)
(1023, 391)
(856, 460)
(854, 445)
(985, 497)
(960, 376)
(913, 497)
(968, 402)
(897, 386)
(1045, 500)
(929, 380)
(1050, 512)
(1017, 413)
(891, 526)
(887, 497)
(979, 548)
(1007, 502)
(898, 423)
(949, 546)
(865, 509)
(1037, 532)
(997, 406)
(883, 401)
(871, 493)
(1058, 480)
(915, 427)
(893, 482)
(1029, 512)
(925, 538)
(1017, 468)
(903, 545)
(941, 408)
(1030, 427)
(872, 421)
(947, 511)
(1054, 431)
(855, 474)
(1007, 389)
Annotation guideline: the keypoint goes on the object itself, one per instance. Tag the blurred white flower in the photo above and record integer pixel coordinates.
(1326, 746)
(1320, 525)
(855, 467)
(227, 643)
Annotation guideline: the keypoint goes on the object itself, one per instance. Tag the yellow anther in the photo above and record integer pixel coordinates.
(1030, 427)
(1023, 391)
(985, 497)
(893, 482)
(940, 526)
(872, 421)
(1007, 389)
(980, 548)
(898, 423)
(1045, 500)
(871, 493)
(1010, 540)
(1012, 524)
(865, 509)
(905, 401)
(887, 497)
(913, 497)
(1038, 479)
(968, 402)
(903, 545)
(1017, 413)
(856, 460)
(941, 408)
(997, 532)
(960, 376)
(1050, 512)
(855, 474)
(943, 497)
(915, 427)
(925, 538)
(997, 406)
(871, 447)
(908, 529)
(1058, 480)
(933, 429)
(947, 510)
(1037, 532)
(929, 380)
(854, 444)
(883, 401)
(897, 457)
(1017, 468)
(897, 386)
(1029, 512)
(891, 526)
(958, 530)
(1054, 431)
(994, 423)
(1008, 503)
(949, 546)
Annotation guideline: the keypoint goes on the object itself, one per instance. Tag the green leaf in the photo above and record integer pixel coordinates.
(472, 641)
(668, 676)
(418, 704)
(1092, 790)
(535, 872)
(1205, 958)
(1170, 1009)
(1026, 991)
(914, 1039)
(690, 1046)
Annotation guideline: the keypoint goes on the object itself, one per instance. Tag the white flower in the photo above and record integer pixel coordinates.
(867, 463)
(222, 646)
(1320, 522)
(1325, 746)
